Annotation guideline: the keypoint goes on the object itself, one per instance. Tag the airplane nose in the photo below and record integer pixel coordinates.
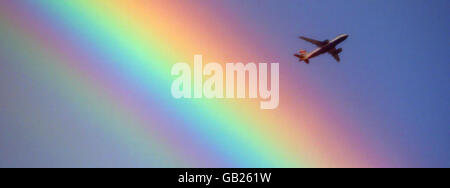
(345, 36)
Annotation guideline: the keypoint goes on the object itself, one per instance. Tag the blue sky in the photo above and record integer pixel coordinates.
(395, 66)
(392, 82)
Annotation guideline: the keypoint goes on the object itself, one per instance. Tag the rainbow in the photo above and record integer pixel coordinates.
(112, 61)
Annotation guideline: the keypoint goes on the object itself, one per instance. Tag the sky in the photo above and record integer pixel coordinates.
(395, 69)
(84, 84)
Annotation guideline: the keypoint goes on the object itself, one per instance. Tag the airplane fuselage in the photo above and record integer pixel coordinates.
(327, 47)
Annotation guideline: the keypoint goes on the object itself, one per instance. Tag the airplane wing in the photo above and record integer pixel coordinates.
(336, 56)
(315, 42)
(335, 53)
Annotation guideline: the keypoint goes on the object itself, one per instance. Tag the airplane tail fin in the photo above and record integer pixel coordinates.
(303, 52)
(302, 56)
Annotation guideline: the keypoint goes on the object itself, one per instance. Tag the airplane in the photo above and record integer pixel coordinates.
(325, 46)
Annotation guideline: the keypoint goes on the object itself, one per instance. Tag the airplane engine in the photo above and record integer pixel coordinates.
(338, 50)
